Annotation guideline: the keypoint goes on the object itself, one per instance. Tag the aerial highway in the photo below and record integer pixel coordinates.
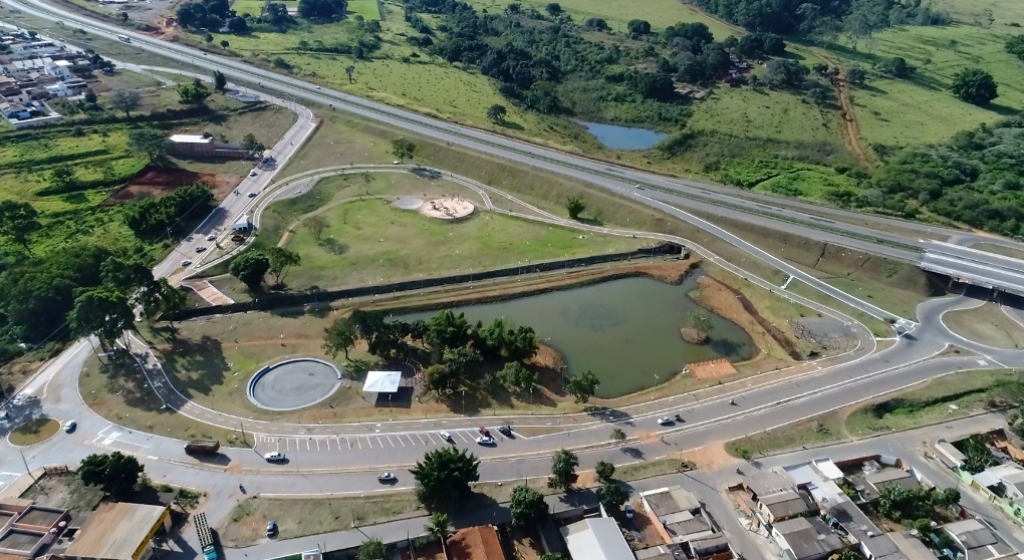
(854, 230)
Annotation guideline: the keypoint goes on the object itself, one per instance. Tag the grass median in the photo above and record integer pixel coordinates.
(938, 400)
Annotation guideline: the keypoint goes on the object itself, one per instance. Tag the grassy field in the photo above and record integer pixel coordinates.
(986, 324)
(879, 328)
(371, 241)
(65, 491)
(366, 8)
(34, 431)
(766, 115)
(945, 398)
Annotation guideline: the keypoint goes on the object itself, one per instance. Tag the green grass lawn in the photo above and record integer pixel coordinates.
(879, 328)
(945, 398)
(366, 8)
(371, 241)
(900, 302)
(253, 7)
(986, 324)
(766, 115)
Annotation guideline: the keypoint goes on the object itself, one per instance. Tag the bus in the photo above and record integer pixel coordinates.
(124, 38)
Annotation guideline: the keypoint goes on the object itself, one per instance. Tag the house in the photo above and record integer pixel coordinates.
(898, 546)
(241, 225)
(14, 111)
(28, 530)
(475, 543)
(786, 505)
(60, 69)
(1006, 480)
(201, 147)
(117, 531)
(975, 541)
(597, 538)
(768, 483)
(806, 538)
(676, 514)
(870, 483)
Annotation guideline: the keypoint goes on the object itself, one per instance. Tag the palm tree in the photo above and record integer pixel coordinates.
(439, 527)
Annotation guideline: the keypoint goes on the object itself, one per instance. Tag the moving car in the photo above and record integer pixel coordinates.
(200, 248)
(186, 262)
(665, 420)
(485, 440)
(274, 457)
(386, 477)
(211, 237)
(271, 528)
(252, 195)
(639, 187)
(447, 437)
(70, 426)
(252, 173)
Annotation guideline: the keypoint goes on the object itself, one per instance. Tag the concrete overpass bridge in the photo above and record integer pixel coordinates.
(974, 267)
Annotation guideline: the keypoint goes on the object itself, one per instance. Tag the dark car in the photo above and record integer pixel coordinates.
(506, 430)
(271, 528)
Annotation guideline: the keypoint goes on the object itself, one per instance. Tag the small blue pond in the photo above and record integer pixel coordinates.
(623, 137)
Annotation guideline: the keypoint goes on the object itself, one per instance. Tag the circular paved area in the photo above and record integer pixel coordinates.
(408, 203)
(448, 208)
(294, 384)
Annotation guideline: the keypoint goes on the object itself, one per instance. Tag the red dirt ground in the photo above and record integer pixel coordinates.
(155, 181)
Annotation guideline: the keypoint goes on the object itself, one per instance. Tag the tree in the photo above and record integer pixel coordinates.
(168, 299)
(618, 434)
(946, 497)
(402, 148)
(250, 267)
(249, 142)
(194, 93)
(124, 17)
(220, 81)
(553, 8)
(582, 386)
(116, 473)
(977, 457)
(974, 86)
(238, 26)
(316, 226)
(526, 506)
(208, 38)
(497, 113)
(280, 260)
(517, 379)
(102, 312)
(783, 72)
(371, 549)
(597, 24)
(855, 76)
(126, 100)
(18, 221)
(276, 14)
(604, 471)
(90, 97)
(62, 178)
(322, 9)
(1015, 46)
(638, 27)
(612, 496)
(895, 67)
(439, 526)
(443, 477)
(818, 96)
(340, 337)
(700, 322)
(563, 469)
(349, 70)
(575, 206)
(149, 141)
(446, 330)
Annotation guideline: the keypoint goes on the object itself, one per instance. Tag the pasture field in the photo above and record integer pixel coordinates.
(254, 7)
(366, 8)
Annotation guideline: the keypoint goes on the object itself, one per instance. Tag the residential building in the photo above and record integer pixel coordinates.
(898, 546)
(596, 538)
(806, 538)
(475, 543)
(1005, 480)
(117, 531)
(28, 530)
(975, 541)
(786, 505)
(676, 514)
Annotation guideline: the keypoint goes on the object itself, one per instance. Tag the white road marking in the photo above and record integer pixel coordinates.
(421, 439)
(982, 363)
(462, 436)
(431, 438)
(380, 441)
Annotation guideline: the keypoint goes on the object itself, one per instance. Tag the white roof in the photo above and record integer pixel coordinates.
(829, 469)
(190, 139)
(382, 381)
(596, 539)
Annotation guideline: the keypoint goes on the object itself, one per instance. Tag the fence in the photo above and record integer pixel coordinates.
(324, 296)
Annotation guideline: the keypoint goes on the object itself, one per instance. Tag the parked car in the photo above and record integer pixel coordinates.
(274, 457)
(447, 437)
(665, 420)
(386, 477)
(628, 509)
(70, 426)
(484, 431)
(186, 262)
(506, 430)
(485, 440)
(271, 528)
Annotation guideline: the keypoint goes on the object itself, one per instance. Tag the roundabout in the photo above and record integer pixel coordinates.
(31, 432)
(293, 384)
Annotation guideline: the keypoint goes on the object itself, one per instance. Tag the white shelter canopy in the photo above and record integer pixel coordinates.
(382, 381)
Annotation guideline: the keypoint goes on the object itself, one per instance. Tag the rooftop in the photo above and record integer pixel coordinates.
(20, 539)
(475, 543)
(808, 537)
(789, 503)
(382, 381)
(854, 520)
(596, 539)
(766, 483)
(115, 531)
(38, 516)
(911, 547)
(978, 541)
(190, 139)
(666, 501)
(662, 552)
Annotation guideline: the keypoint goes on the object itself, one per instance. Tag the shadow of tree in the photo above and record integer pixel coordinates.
(203, 358)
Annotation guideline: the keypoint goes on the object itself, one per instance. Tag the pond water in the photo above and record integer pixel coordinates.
(625, 331)
(616, 137)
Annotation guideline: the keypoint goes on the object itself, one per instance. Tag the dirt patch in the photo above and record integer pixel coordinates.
(693, 336)
(711, 369)
(730, 303)
(158, 182)
(709, 457)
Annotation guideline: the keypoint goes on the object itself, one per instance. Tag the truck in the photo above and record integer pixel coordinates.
(202, 446)
(205, 536)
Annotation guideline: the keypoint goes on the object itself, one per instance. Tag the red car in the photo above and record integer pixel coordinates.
(484, 431)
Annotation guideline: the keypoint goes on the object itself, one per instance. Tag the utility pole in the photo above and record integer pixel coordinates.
(27, 470)
(243, 435)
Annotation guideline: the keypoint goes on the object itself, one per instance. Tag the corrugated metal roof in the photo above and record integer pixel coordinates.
(596, 539)
(116, 531)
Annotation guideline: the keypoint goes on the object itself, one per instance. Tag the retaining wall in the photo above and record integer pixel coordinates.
(275, 301)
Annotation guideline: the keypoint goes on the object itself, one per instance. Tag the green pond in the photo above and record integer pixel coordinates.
(625, 331)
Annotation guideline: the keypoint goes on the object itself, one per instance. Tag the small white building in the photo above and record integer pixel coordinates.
(596, 539)
(241, 225)
(60, 69)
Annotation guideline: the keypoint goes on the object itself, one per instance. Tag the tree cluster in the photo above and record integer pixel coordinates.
(205, 14)
(152, 217)
(899, 504)
(251, 267)
(444, 476)
(194, 93)
(116, 473)
(322, 9)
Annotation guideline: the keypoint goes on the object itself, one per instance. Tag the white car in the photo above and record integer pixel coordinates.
(447, 437)
(200, 248)
(485, 440)
(70, 426)
(639, 187)
(397, 162)
(252, 173)
(274, 457)
(186, 262)
(665, 420)
(211, 237)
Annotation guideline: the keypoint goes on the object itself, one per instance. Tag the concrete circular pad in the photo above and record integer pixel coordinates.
(408, 203)
(293, 384)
